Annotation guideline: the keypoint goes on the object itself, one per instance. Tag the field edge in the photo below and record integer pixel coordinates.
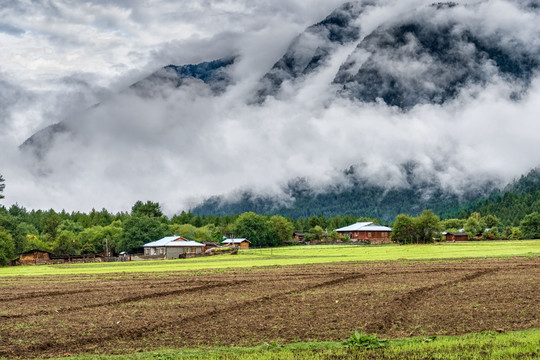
(520, 344)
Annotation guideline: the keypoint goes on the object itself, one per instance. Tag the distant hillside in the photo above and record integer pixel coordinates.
(359, 197)
(511, 204)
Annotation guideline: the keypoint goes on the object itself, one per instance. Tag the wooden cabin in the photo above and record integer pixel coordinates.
(457, 236)
(242, 243)
(367, 232)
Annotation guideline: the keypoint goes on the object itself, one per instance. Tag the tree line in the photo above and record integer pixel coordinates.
(428, 227)
(65, 233)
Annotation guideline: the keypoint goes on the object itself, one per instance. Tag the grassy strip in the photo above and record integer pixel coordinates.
(485, 345)
(296, 255)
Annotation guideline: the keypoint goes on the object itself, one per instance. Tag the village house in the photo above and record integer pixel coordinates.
(172, 247)
(242, 243)
(457, 236)
(367, 232)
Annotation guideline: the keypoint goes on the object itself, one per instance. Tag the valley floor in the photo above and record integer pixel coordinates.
(126, 313)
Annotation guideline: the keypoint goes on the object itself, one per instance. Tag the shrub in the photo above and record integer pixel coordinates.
(361, 340)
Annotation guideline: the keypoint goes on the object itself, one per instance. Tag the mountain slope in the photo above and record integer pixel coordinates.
(430, 62)
(356, 196)
(511, 204)
(213, 74)
(311, 50)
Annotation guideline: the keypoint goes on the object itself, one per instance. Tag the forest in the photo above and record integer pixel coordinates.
(510, 214)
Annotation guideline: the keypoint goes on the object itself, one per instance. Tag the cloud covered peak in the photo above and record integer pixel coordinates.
(373, 85)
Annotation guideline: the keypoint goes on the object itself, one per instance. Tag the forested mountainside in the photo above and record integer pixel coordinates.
(386, 90)
(510, 204)
(358, 197)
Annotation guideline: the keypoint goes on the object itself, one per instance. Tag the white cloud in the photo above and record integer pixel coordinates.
(187, 144)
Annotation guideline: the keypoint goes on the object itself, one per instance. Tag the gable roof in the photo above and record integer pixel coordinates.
(175, 240)
(355, 227)
(376, 228)
(236, 241)
(364, 226)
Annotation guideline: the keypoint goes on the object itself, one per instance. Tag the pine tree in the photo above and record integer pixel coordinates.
(2, 186)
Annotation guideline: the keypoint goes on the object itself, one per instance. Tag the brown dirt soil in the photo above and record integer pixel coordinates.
(50, 316)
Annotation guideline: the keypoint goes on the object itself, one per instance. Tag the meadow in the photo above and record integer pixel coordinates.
(491, 345)
(297, 255)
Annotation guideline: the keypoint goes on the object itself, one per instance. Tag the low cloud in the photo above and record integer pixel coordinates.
(187, 144)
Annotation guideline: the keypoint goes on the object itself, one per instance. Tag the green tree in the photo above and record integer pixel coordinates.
(491, 221)
(315, 233)
(139, 230)
(21, 232)
(283, 229)
(428, 226)
(530, 226)
(50, 223)
(452, 224)
(2, 186)
(474, 225)
(516, 234)
(150, 209)
(7, 247)
(70, 225)
(404, 230)
(66, 243)
(255, 228)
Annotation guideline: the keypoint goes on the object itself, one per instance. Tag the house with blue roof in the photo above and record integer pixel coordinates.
(172, 247)
(367, 232)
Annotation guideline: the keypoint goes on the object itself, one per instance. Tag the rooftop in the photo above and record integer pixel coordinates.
(355, 227)
(235, 241)
(175, 240)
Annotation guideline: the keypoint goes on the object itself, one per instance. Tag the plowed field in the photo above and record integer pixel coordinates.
(46, 316)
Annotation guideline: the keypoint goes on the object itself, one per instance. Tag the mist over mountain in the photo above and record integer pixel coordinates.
(356, 196)
(212, 73)
(426, 105)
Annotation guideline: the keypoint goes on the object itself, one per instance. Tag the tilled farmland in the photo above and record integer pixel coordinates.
(52, 316)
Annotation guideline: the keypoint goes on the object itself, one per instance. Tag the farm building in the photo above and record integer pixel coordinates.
(367, 232)
(35, 257)
(241, 243)
(172, 247)
(457, 236)
(39, 257)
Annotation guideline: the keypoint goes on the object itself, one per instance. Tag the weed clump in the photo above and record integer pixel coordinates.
(364, 341)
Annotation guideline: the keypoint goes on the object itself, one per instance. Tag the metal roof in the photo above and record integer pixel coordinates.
(235, 241)
(376, 228)
(175, 240)
(355, 227)
(364, 226)
(187, 243)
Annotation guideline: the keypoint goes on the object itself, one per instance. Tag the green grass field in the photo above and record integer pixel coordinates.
(296, 255)
(486, 345)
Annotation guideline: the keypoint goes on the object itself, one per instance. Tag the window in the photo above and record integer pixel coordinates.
(147, 251)
(368, 234)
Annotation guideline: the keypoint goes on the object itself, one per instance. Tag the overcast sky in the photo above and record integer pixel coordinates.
(59, 57)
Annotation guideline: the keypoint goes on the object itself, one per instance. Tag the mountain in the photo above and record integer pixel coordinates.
(376, 64)
(213, 74)
(510, 204)
(431, 62)
(312, 49)
(356, 196)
